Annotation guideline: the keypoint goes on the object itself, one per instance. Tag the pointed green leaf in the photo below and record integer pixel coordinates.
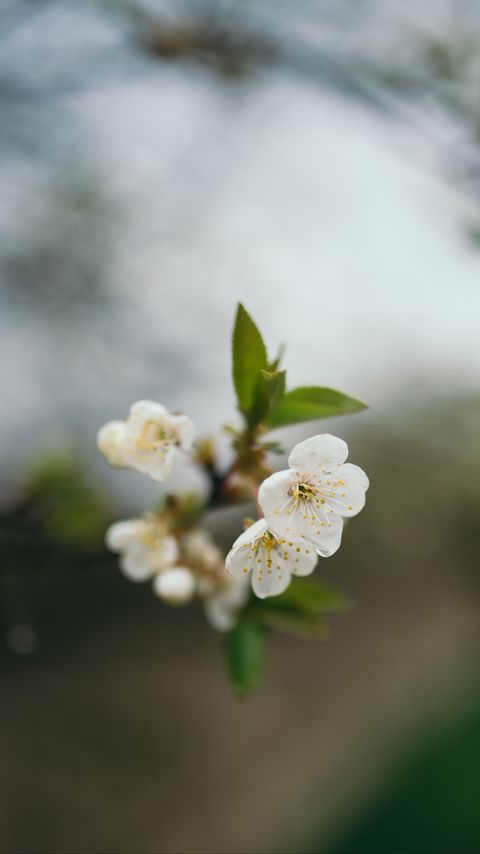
(244, 656)
(274, 366)
(309, 403)
(249, 357)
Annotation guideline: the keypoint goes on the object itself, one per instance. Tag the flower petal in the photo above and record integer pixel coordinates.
(270, 581)
(304, 557)
(135, 565)
(164, 554)
(222, 606)
(310, 523)
(158, 463)
(121, 533)
(345, 493)
(146, 410)
(330, 537)
(185, 430)
(253, 532)
(241, 556)
(111, 439)
(175, 586)
(273, 494)
(240, 560)
(319, 452)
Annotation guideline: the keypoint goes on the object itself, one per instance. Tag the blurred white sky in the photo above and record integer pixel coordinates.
(333, 225)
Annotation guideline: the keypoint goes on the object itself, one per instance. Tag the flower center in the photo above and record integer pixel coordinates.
(303, 490)
(154, 532)
(268, 540)
(152, 435)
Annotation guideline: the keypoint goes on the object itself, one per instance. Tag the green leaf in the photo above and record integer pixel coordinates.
(313, 596)
(244, 656)
(249, 357)
(300, 610)
(309, 403)
(273, 366)
(300, 625)
(275, 385)
(269, 389)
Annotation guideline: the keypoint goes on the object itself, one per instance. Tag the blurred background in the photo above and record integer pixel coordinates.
(319, 161)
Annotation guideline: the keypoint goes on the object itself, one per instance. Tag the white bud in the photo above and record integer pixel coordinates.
(111, 442)
(175, 586)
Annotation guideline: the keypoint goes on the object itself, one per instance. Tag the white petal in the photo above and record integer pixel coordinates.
(303, 559)
(146, 410)
(311, 524)
(344, 490)
(272, 569)
(199, 547)
(195, 541)
(270, 581)
(120, 534)
(111, 440)
(175, 586)
(185, 430)
(252, 533)
(328, 541)
(354, 474)
(240, 560)
(222, 607)
(273, 494)
(163, 555)
(321, 452)
(220, 617)
(135, 565)
(158, 463)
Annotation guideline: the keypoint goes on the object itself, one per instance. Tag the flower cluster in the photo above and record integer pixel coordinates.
(182, 564)
(303, 509)
(179, 567)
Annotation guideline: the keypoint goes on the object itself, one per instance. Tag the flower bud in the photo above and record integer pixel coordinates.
(175, 586)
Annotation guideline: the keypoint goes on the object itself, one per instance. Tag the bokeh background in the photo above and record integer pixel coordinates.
(319, 161)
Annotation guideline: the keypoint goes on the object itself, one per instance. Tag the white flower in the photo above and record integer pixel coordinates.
(309, 499)
(144, 547)
(271, 559)
(223, 605)
(175, 586)
(148, 440)
(199, 548)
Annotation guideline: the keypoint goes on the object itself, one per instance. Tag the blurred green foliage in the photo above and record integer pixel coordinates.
(63, 503)
(431, 806)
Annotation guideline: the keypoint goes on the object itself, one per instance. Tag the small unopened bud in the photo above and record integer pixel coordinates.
(175, 586)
